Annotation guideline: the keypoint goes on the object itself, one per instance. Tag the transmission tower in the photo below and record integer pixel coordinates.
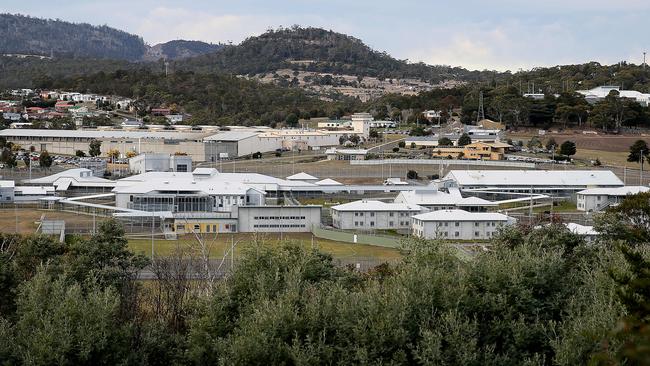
(481, 113)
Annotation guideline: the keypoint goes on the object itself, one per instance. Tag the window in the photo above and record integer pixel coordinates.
(390, 223)
(456, 234)
(372, 223)
(214, 228)
(476, 233)
(197, 227)
(356, 223)
(372, 214)
(457, 224)
(476, 224)
(391, 214)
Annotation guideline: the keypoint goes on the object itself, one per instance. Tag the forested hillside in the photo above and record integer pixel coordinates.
(60, 39)
(316, 49)
(27, 35)
(211, 99)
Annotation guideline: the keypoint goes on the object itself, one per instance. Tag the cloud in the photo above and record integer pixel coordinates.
(162, 24)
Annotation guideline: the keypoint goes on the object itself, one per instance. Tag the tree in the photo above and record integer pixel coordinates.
(534, 143)
(292, 119)
(464, 139)
(373, 134)
(413, 145)
(257, 155)
(445, 141)
(638, 150)
(131, 154)
(551, 144)
(80, 154)
(412, 174)
(94, 148)
(396, 149)
(45, 160)
(568, 148)
(113, 153)
(8, 158)
(401, 144)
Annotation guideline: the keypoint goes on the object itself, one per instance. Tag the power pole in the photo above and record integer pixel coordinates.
(481, 112)
(644, 61)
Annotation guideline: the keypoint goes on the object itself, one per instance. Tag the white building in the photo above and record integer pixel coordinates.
(373, 215)
(174, 118)
(157, 162)
(71, 180)
(437, 200)
(7, 191)
(600, 93)
(459, 224)
(597, 199)
(262, 219)
(560, 182)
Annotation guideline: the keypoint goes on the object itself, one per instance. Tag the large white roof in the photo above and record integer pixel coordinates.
(528, 178)
(103, 134)
(429, 198)
(365, 205)
(73, 177)
(7, 183)
(196, 186)
(618, 191)
(460, 215)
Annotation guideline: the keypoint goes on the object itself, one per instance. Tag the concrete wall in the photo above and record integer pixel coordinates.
(278, 218)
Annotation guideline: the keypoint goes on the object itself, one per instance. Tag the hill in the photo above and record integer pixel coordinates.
(179, 49)
(317, 50)
(24, 35)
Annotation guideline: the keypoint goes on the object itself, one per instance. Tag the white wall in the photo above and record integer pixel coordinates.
(365, 220)
(457, 230)
(278, 218)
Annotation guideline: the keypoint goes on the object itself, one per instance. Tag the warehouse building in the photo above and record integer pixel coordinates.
(555, 182)
(373, 215)
(459, 224)
(598, 199)
(68, 142)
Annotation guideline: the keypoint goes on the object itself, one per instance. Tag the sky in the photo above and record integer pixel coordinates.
(495, 35)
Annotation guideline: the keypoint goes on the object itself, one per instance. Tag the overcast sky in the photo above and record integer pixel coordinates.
(488, 34)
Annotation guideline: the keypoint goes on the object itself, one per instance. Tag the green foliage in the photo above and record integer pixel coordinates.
(445, 141)
(551, 144)
(627, 222)
(8, 158)
(411, 174)
(401, 144)
(568, 148)
(94, 148)
(396, 149)
(464, 139)
(639, 148)
(45, 160)
(80, 153)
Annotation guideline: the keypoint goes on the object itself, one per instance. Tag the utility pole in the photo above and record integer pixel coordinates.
(644, 61)
(641, 172)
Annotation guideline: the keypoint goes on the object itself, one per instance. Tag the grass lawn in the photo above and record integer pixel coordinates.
(221, 243)
(606, 157)
(562, 206)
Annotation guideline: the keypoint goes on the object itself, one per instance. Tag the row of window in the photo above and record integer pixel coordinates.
(278, 226)
(391, 214)
(279, 217)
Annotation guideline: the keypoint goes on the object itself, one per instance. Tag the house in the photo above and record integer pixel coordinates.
(13, 117)
(160, 111)
(431, 114)
(459, 224)
(474, 151)
(373, 215)
(598, 199)
(587, 232)
(174, 118)
(32, 193)
(346, 154)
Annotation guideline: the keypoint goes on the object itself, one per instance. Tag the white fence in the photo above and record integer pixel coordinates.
(444, 162)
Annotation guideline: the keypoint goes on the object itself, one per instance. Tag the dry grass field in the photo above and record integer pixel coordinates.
(219, 244)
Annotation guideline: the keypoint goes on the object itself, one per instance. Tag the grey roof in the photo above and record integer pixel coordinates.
(96, 134)
(528, 178)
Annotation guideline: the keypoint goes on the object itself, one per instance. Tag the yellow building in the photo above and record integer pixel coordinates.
(473, 151)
